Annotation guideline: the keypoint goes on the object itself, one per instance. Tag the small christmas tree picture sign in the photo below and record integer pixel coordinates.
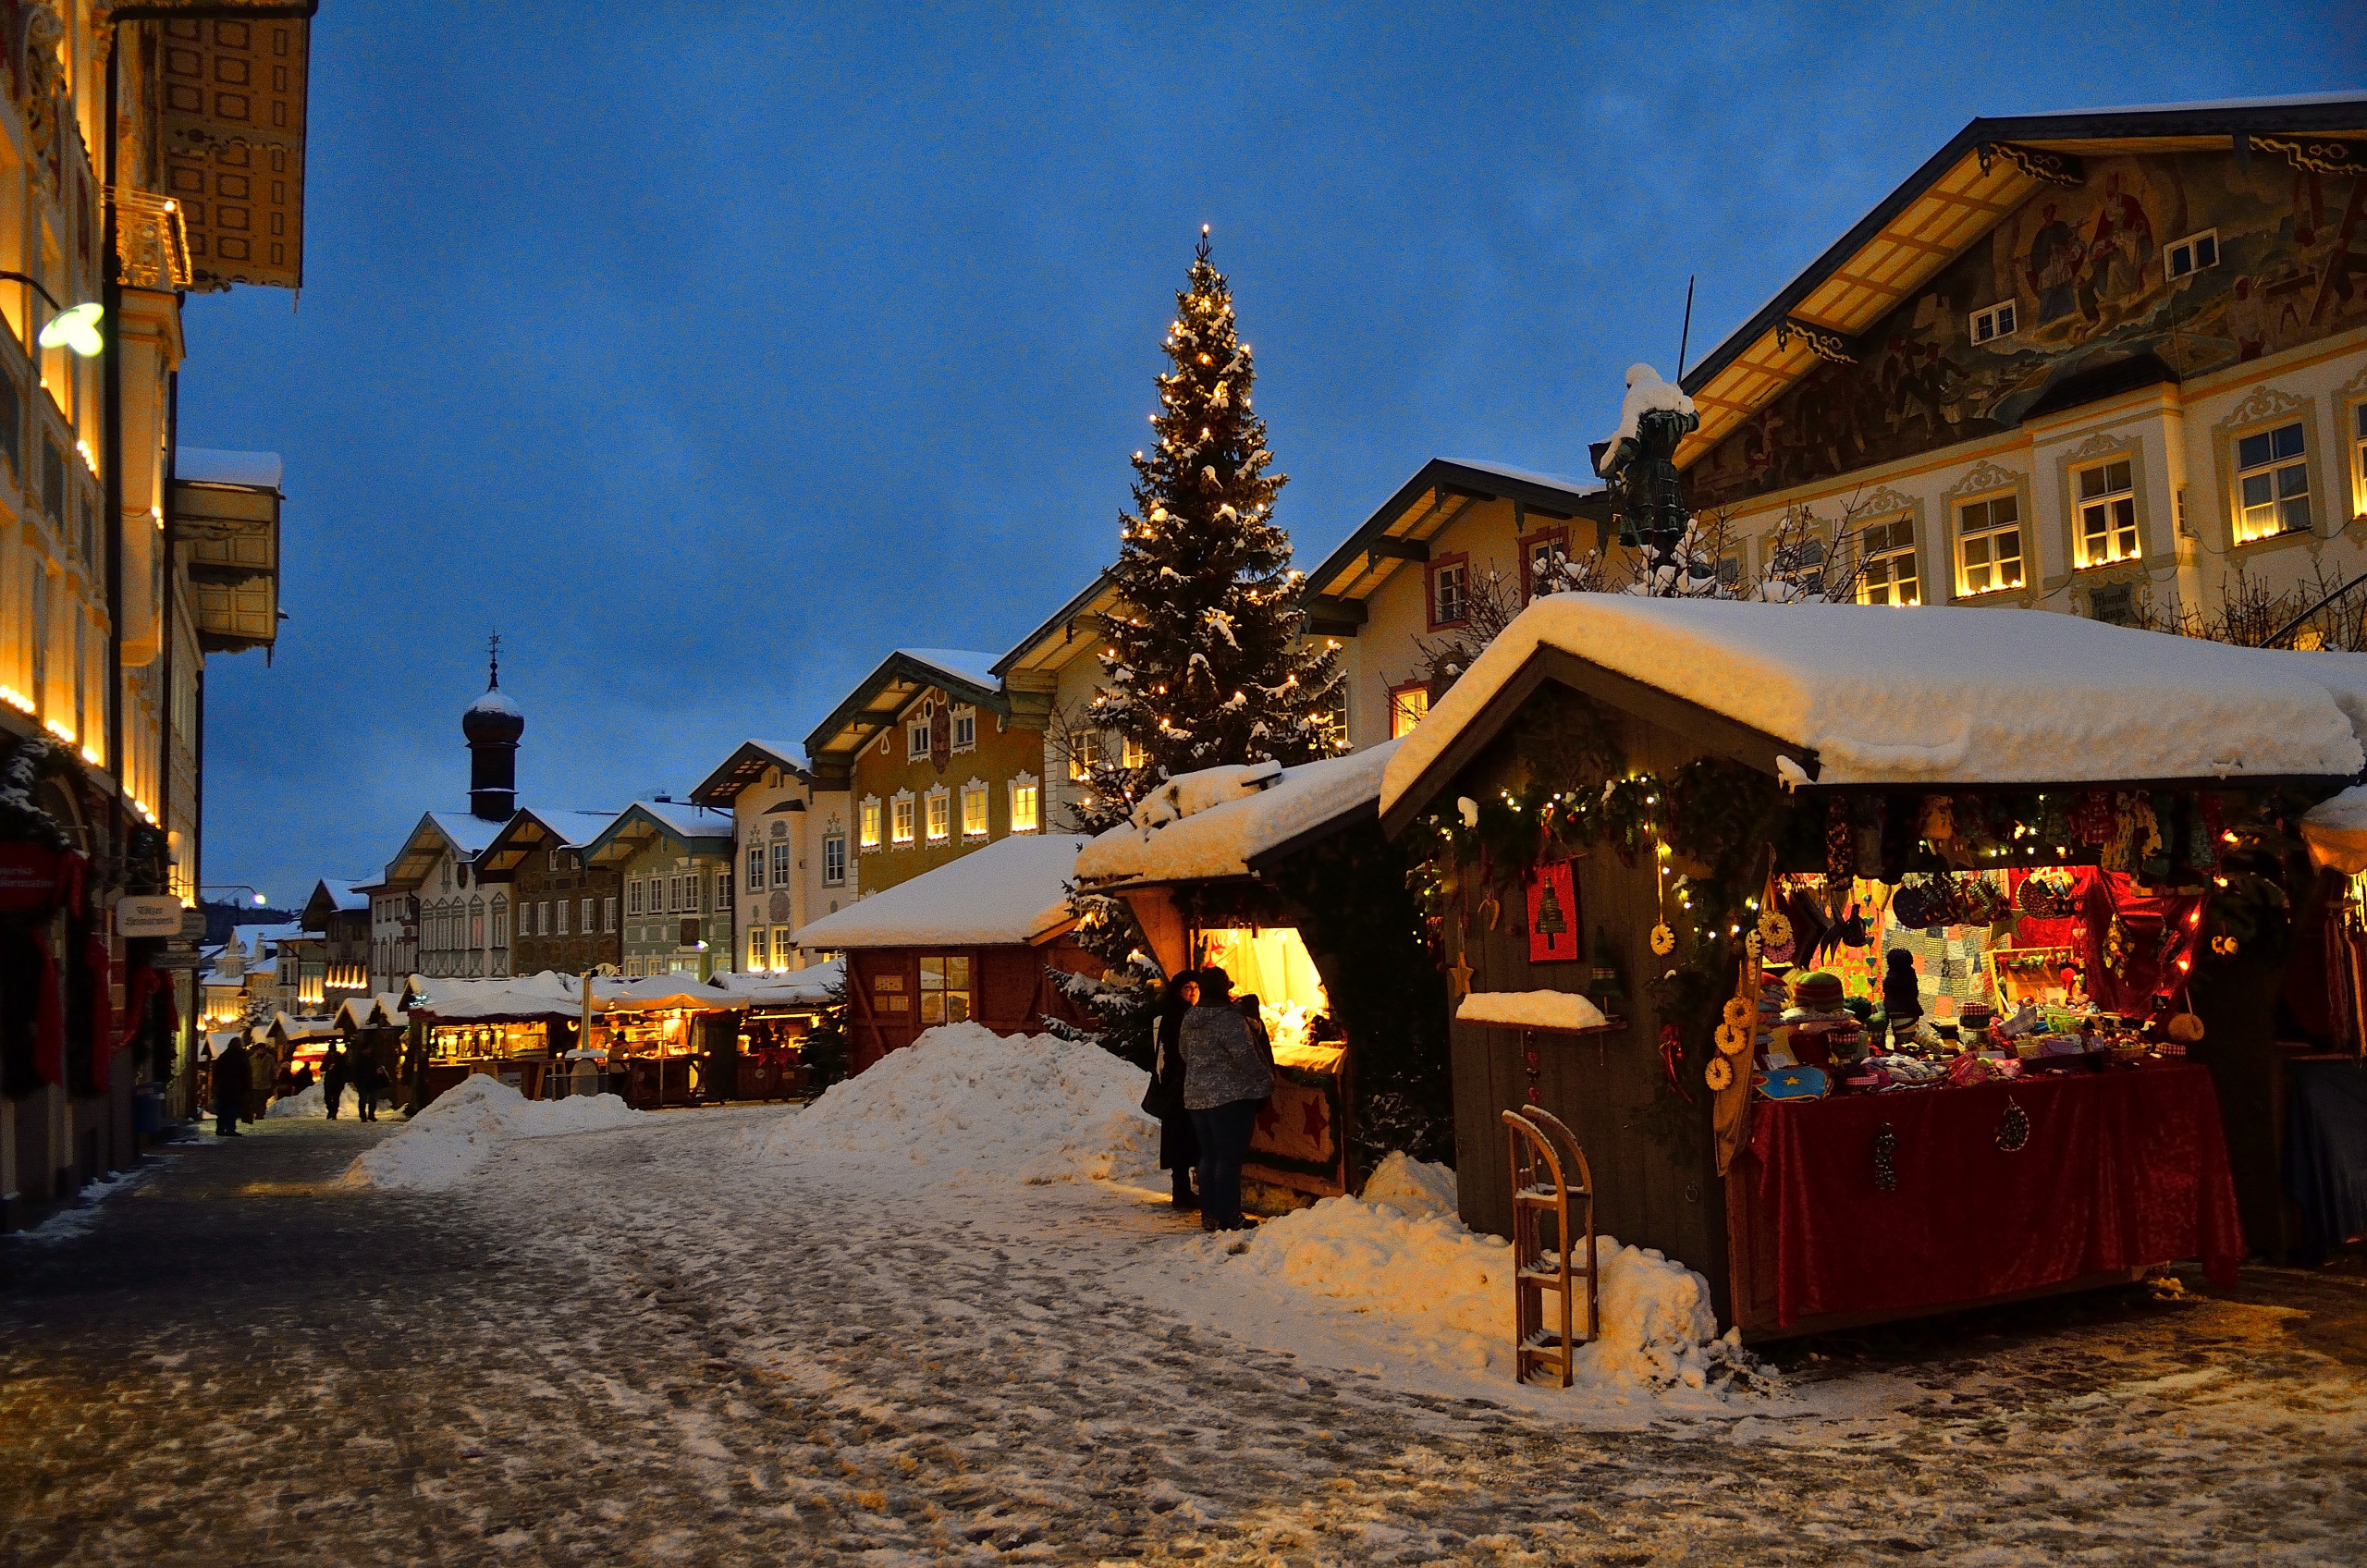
(1553, 914)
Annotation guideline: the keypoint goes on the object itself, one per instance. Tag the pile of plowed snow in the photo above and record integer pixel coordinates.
(1400, 1251)
(452, 1139)
(962, 1103)
(313, 1101)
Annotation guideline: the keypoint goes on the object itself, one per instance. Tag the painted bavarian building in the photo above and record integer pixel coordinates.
(2099, 362)
(564, 912)
(794, 848)
(673, 860)
(433, 912)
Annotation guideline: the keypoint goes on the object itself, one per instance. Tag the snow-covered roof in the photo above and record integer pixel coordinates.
(1531, 1009)
(469, 834)
(687, 821)
(546, 995)
(1527, 475)
(1213, 822)
(960, 663)
(796, 987)
(1012, 890)
(1935, 696)
(255, 938)
(205, 465)
(497, 701)
(288, 1028)
(344, 894)
(2336, 831)
(374, 1012)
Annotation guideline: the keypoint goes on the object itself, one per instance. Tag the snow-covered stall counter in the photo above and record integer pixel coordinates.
(1198, 865)
(971, 940)
(1942, 935)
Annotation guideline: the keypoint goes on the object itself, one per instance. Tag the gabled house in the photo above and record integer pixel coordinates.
(674, 861)
(334, 955)
(437, 912)
(2099, 361)
(565, 914)
(794, 847)
(1049, 677)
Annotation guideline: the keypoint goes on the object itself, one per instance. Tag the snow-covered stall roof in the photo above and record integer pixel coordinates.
(2336, 831)
(546, 995)
(372, 1013)
(1213, 822)
(809, 987)
(292, 1029)
(1016, 890)
(1936, 695)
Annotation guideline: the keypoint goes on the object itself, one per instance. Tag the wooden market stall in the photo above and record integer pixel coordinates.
(1941, 937)
(782, 1009)
(969, 941)
(513, 1030)
(1198, 865)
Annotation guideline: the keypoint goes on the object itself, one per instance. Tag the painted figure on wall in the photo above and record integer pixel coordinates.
(2098, 275)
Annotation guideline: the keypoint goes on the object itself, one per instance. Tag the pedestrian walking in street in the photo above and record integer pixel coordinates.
(366, 1078)
(335, 1072)
(231, 1082)
(1179, 1145)
(1229, 1075)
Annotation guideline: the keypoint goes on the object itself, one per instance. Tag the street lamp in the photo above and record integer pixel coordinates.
(75, 327)
(219, 887)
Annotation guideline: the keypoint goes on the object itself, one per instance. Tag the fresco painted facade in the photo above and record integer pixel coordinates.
(2199, 259)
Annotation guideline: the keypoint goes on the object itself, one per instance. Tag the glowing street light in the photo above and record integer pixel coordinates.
(77, 330)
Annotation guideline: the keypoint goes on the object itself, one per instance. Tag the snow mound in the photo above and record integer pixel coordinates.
(1414, 1186)
(1448, 1290)
(965, 1103)
(454, 1138)
(313, 1101)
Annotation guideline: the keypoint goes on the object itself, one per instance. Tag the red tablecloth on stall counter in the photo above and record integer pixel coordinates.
(2122, 1169)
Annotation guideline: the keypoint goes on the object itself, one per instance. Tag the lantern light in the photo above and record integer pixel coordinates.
(76, 328)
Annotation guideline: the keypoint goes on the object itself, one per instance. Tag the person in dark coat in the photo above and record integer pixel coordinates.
(1901, 997)
(337, 1069)
(1179, 1148)
(1229, 1075)
(232, 1078)
(367, 1080)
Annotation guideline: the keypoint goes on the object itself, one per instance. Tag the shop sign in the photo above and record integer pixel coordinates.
(146, 915)
(192, 924)
(175, 958)
(28, 875)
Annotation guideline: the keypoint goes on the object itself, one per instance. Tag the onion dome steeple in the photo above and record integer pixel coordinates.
(493, 724)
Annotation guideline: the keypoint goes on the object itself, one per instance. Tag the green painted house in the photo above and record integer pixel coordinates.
(674, 861)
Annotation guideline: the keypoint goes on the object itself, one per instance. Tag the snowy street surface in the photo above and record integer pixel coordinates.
(662, 1341)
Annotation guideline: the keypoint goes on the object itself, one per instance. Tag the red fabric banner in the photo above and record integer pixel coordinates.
(49, 1019)
(2119, 1170)
(100, 965)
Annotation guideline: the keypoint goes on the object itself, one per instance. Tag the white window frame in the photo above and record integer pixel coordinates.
(1025, 803)
(1890, 553)
(591, 916)
(975, 791)
(559, 907)
(938, 823)
(834, 858)
(2271, 472)
(2115, 505)
(608, 917)
(1990, 530)
(2191, 249)
(902, 820)
(755, 866)
(916, 730)
(759, 960)
(1408, 705)
(1993, 322)
(1085, 752)
(872, 822)
(784, 866)
(965, 728)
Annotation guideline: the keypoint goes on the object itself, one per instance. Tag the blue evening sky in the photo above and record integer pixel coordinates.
(711, 350)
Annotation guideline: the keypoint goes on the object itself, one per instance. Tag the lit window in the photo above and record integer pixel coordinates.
(974, 811)
(1449, 592)
(633, 969)
(1989, 544)
(940, 816)
(2192, 254)
(903, 819)
(945, 990)
(965, 728)
(755, 866)
(780, 869)
(1332, 721)
(834, 860)
(1996, 322)
(1085, 752)
(1130, 753)
(1889, 576)
(2273, 482)
(2107, 514)
(756, 949)
(2359, 441)
(1026, 812)
(870, 826)
(916, 732)
(1407, 707)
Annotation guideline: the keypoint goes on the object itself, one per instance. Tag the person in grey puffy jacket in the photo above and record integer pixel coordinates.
(1229, 1075)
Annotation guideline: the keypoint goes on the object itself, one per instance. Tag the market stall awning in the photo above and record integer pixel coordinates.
(1013, 891)
(2336, 831)
(382, 1011)
(517, 1001)
(292, 1030)
(810, 986)
(1922, 698)
(1220, 821)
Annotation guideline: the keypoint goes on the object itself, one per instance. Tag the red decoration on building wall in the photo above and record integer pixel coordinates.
(1553, 914)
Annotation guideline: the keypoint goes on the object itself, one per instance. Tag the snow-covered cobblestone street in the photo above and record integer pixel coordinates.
(663, 1343)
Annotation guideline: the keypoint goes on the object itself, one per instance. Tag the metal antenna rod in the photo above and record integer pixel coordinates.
(1685, 337)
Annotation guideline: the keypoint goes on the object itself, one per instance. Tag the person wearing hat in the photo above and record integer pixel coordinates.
(1902, 996)
(1229, 1075)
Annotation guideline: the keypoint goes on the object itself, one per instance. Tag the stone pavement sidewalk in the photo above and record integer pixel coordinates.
(644, 1347)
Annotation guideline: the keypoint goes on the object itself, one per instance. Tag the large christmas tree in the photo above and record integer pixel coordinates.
(1203, 663)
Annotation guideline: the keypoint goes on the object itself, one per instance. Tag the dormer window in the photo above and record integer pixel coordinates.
(965, 728)
(916, 730)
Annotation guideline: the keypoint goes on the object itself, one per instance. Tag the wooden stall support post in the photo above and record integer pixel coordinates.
(1543, 1151)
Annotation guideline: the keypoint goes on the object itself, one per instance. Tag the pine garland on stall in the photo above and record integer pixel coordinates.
(1203, 664)
(1124, 997)
(825, 1047)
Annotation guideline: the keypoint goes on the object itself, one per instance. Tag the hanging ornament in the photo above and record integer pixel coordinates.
(1664, 940)
(1774, 928)
(2015, 1131)
(1840, 847)
(1734, 1038)
(1719, 1074)
(1886, 1159)
(1739, 1013)
(1671, 1054)
(1754, 945)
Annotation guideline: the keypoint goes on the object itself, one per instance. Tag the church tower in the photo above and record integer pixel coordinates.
(493, 724)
